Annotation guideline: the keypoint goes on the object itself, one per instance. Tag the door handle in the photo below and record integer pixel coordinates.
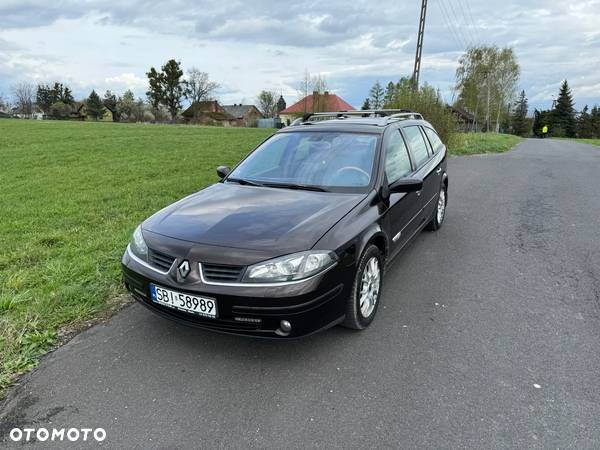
(439, 171)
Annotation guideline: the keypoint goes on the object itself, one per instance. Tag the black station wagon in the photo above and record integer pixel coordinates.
(296, 238)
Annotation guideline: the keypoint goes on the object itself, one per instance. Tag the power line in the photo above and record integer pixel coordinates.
(448, 22)
(475, 28)
(459, 27)
(469, 25)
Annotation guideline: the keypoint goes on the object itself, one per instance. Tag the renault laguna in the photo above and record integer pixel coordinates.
(297, 237)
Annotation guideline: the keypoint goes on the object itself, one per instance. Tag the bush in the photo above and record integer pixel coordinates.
(60, 110)
(426, 101)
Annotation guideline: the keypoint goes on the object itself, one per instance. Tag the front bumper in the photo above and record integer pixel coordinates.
(309, 306)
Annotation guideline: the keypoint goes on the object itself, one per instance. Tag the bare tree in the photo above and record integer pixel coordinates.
(304, 88)
(199, 87)
(24, 95)
(267, 103)
(311, 85)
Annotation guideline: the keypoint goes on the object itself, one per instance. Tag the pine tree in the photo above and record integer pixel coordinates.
(376, 96)
(95, 108)
(595, 122)
(520, 124)
(366, 105)
(564, 113)
(585, 127)
(388, 97)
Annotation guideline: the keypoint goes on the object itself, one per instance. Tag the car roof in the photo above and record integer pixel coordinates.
(375, 125)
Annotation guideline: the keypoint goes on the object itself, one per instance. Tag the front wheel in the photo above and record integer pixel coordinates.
(366, 290)
(440, 211)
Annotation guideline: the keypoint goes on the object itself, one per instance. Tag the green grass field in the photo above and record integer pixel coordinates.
(72, 194)
(474, 143)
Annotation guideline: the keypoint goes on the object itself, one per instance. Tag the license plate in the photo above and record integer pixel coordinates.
(194, 304)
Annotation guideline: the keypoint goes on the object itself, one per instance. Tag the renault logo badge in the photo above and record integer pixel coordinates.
(184, 269)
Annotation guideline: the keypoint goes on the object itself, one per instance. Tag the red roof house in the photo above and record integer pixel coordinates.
(315, 103)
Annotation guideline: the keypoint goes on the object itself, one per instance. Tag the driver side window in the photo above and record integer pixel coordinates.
(397, 161)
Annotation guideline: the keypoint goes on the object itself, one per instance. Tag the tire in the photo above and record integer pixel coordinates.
(357, 317)
(439, 213)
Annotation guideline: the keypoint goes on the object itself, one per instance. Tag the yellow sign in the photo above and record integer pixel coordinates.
(545, 129)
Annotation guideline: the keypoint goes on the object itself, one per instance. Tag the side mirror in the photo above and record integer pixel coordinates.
(223, 171)
(407, 185)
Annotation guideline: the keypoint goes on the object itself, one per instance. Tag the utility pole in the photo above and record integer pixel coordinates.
(417, 69)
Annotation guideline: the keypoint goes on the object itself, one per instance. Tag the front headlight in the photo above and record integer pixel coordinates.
(290, 267)
(138, 245)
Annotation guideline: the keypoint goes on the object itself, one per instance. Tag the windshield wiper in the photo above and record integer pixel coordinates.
(244, 181)
(305, 187)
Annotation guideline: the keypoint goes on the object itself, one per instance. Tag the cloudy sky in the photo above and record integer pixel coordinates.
(248, 46)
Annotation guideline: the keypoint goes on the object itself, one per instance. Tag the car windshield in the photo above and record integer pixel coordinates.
(327, 160)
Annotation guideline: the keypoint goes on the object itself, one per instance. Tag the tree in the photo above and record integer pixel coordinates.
(520, 124)
(60, 110)
(564, 112)
(111, 102)
(45, 97)
(167, 87)
(315, 85)
(486, 80)
(24, 95)
(366, 105)
(95, 108)
(198, 87)
(388, 97)
(584, 124)
(595, 120)
(66, 96)
(126, 106)
(376, 96)
(427, 101)
(267, 103)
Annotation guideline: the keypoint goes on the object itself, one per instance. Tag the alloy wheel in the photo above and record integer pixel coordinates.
(369, 287)
(441, 206)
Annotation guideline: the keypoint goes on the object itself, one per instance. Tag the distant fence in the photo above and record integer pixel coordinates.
(270, 123)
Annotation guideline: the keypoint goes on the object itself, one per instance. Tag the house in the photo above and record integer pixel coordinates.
(209, 112)
(465, 120)
(315, 102)
(248, 115)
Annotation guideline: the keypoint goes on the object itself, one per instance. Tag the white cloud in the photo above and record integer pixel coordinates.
(126, 81)
(249, 46)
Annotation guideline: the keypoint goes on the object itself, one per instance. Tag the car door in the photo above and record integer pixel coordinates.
(403, 209)
(426, 169)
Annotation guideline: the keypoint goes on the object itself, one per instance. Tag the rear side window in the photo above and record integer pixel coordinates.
(417, 144)
(434, 139)
(397, 161)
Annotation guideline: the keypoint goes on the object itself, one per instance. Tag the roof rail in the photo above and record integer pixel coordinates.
(390, 113)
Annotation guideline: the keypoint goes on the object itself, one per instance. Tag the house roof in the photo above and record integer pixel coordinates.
(200, 107)
(238, 111)
(463, 114)
(331, 103)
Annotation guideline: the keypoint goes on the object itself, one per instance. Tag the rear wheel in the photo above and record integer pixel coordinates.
(440, 211)
(366, 290)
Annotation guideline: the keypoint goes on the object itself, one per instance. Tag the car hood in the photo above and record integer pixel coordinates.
(271, 220)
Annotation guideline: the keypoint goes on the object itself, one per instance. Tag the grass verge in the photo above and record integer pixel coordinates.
(72, 193)
(475, 143)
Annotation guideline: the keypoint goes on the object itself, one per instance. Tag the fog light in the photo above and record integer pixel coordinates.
(285, 326)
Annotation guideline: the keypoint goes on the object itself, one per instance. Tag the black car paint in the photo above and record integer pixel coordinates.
(229, 223)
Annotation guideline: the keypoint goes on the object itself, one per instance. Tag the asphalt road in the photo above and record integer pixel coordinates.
(488, 336)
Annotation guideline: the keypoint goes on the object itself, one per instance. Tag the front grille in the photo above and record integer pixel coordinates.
(219, 273)
(160, 260)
